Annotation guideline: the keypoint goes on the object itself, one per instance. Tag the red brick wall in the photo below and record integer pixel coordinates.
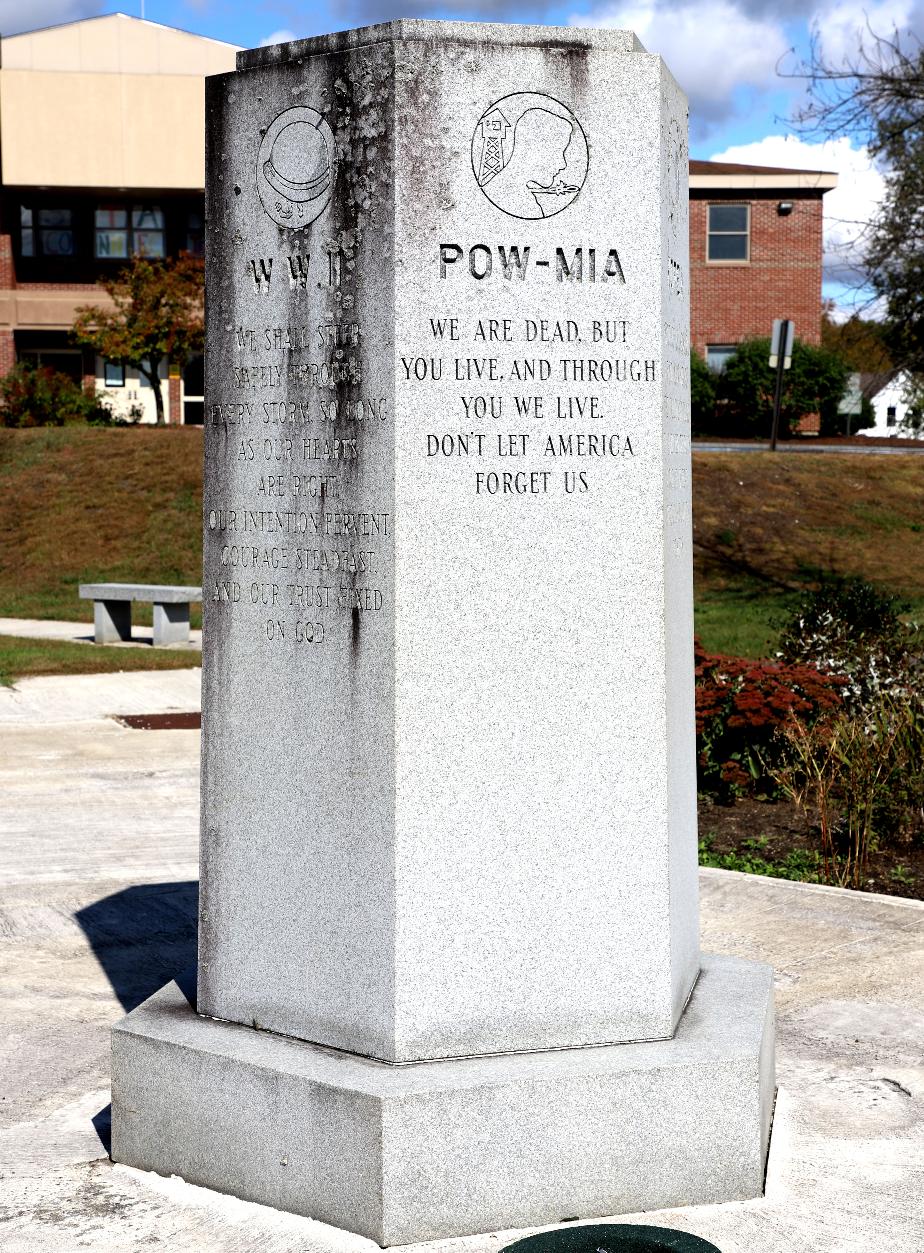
(7, 270)
(174, 414)
(7, 352)
(732, 301)
(7, 282)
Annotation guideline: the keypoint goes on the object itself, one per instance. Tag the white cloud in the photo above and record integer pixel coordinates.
(842, 26)
(278, 37)
(711, 47)
(847, 209)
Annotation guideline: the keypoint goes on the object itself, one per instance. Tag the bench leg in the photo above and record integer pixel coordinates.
(171, 624)
(112, 621)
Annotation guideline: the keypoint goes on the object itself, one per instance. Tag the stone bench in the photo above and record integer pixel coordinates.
(112, 610)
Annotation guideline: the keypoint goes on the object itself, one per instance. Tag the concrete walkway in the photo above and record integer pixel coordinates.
(98, 866)
(82, 633)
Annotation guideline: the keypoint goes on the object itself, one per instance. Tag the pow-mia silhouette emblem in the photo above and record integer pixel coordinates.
(529, 154)
(295, 167)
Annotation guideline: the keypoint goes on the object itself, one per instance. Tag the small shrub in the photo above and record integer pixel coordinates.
(802, 865)
(860, 776)
(834, 423)
(815, 384)
(702, 395)
(849, 628)
(740, 707)
(33, 395)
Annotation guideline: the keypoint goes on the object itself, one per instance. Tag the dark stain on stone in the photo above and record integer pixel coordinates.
(578, 69)
(354, 633)
(895, 1085)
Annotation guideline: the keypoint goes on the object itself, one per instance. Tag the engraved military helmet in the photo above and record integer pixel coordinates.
(298, 166)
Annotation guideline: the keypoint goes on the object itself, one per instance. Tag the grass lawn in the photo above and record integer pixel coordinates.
(768, 525)
(80, 505)
(22, 657)
(741, 620)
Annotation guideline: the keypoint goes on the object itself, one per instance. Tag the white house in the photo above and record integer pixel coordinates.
(890, 405)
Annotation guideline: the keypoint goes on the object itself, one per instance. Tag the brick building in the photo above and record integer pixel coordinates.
(755, 253)
(102, 155)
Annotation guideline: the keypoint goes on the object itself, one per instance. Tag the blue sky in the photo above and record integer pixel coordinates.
(727, 54)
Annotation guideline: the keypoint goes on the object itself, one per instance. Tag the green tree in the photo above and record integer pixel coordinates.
(815, 384)
(702, 395)
(157, 316)
(861, 342)
(913, 422)
(876, 96)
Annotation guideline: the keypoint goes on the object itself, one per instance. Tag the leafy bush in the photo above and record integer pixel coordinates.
(33, 395)
(861, 772)
(849, 628)
(702, 395)
(912, 425)
(815, 383)
(740, 707)
(860, 777)
(834, 423)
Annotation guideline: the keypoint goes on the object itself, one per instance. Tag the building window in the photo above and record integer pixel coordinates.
(114, 374)
(119, 236)
(718, 355)
(147, 231)
(891, 415)
(26, 237)
(195, 236)
(46, 232)
(111, 232)
(64, 361)
(728, 232)
(56, 233)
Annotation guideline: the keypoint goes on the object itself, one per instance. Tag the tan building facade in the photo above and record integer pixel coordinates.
(102, 129)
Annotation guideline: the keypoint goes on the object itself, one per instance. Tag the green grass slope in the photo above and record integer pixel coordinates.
(80, 505)
(767, 525)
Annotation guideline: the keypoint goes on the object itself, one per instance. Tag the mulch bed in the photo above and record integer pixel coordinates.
(782, 828)
(161, 722)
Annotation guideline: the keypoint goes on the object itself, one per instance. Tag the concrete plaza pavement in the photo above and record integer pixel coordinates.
(82, 633)
(98, 868)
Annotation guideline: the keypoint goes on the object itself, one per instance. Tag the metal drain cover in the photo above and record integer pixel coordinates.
(612, 1238)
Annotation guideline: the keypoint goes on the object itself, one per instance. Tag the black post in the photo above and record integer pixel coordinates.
(778, 389)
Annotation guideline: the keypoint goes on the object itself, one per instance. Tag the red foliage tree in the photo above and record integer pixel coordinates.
(158, 316)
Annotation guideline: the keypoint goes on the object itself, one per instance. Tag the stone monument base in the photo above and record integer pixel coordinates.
(403, 1153)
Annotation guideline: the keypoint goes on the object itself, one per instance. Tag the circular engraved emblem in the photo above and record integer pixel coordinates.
(529, 154)
(295, 167)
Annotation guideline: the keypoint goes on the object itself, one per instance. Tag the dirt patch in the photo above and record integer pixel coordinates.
(777, 838)
(778, 522)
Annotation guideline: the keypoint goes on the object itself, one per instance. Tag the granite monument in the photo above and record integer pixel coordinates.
(449, 974)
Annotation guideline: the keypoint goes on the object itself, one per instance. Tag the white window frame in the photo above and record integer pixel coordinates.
(729, 204)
